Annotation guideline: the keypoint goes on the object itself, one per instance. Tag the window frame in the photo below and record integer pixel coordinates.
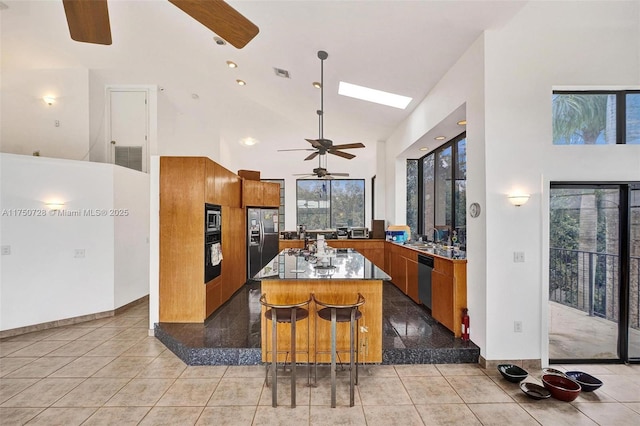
(453, 144)
(621, 110)
(330, 212)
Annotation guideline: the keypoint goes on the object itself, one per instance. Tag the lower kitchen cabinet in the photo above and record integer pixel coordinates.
(449, 293)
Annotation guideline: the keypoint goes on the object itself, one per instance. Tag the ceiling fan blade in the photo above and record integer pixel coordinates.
(297, 149)
(88, 20)
(220, 18)
(341, 154)
(312, 156)
(348, 146)
(315, 143)
(338, 174)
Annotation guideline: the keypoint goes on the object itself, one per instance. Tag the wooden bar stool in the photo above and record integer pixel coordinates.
(291, 314)
(339, 313)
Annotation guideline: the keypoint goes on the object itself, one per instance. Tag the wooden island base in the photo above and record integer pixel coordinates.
(340, 291)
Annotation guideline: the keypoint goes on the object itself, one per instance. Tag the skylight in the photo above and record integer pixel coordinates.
(373, 95)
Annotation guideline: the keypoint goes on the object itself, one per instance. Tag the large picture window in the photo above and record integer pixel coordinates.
(596, 117)
(328, 204)
(439, 213)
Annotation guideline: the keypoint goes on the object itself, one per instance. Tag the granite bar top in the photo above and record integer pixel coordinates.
(335, 264)
(449, 253)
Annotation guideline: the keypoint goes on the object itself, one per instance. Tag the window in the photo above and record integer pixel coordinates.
(441, 192)
(596, 117)
(327, 204)
(281, 208)
(412, 196)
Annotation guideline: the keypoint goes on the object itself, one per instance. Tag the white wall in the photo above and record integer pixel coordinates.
(42, 280)
(28, 123)
(131, 235)
(549, 44)
(506, 80)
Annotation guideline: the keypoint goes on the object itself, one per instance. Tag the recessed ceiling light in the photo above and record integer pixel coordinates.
(317, 84)
(440, 138)
(248, 141)
(424, 149)
(241, 82)
(232, 64)
(373, 95)
(219, 41)
(462, 123)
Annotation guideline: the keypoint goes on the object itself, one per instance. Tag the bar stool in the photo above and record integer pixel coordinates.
(339, 313)
(285, 314)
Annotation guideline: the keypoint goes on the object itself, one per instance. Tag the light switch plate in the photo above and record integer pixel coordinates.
(518, 256)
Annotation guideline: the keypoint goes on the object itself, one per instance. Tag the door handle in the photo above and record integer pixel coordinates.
(113, 142)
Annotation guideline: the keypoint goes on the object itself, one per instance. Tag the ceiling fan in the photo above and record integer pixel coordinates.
(88, 20)
(321, 171)
(322, 146)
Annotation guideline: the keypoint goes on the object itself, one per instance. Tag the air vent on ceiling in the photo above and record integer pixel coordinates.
(282, 73)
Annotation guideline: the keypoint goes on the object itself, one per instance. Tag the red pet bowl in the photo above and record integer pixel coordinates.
(562, 388)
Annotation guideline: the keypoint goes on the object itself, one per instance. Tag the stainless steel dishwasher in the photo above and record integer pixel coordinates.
(425, 266)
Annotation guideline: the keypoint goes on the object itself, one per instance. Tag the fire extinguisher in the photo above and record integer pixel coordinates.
(465, 325)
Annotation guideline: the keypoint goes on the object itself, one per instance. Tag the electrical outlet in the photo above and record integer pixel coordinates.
(518, 256)
(517, 326)
(6, 250)
(57, 123)
(78, 253)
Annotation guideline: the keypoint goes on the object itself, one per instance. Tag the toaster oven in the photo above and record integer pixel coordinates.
(359, 232)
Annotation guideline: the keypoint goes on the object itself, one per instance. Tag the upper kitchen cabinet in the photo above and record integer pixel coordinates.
(227, 187)
(256, 193)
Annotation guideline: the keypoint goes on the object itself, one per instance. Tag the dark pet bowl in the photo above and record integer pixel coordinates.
(553, 371)
(586, 381)
(512, 373)
(535, 391)
(562, 388)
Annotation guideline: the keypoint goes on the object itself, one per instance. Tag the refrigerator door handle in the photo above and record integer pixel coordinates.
(261, 228)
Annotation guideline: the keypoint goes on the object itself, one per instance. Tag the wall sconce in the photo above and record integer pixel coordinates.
(49, 100)
(55, 205)
(518, 199)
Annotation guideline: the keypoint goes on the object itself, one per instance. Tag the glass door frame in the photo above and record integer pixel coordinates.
(624, 260)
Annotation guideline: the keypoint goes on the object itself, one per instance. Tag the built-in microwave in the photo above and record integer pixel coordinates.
(213, 218)
(359, 232)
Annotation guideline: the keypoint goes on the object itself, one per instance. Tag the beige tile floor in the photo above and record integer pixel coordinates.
(110, 372)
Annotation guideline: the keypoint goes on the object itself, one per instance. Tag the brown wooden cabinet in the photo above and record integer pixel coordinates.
(412, 280)
(371, 249)
(256, 193)
(287, 244)
(448, 283)
(402, 264)
(186, 184)
(449, 293)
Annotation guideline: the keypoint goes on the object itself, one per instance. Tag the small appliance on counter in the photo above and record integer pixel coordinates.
(342, 232)
(359, 233)
(398, 233)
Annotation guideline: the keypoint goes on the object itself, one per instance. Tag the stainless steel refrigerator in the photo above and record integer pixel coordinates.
(262, 238)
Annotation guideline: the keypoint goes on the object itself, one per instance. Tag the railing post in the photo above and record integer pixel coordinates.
(592, 282)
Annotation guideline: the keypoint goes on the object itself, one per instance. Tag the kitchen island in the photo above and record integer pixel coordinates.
(336, 277)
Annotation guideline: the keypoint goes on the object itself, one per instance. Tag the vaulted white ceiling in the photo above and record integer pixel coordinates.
(403, 47)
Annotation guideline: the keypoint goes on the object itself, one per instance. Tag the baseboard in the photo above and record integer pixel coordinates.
(527, 364)
(70, 321)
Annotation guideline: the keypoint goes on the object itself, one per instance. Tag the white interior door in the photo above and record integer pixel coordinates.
(128, 130)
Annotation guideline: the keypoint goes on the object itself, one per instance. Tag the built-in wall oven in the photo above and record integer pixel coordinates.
(212, 241)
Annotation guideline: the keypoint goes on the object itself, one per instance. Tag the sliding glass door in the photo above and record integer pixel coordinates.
(634, 272)
(594, 254)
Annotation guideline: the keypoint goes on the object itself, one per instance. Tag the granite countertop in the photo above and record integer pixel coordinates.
(340, 264)
(450, 253)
